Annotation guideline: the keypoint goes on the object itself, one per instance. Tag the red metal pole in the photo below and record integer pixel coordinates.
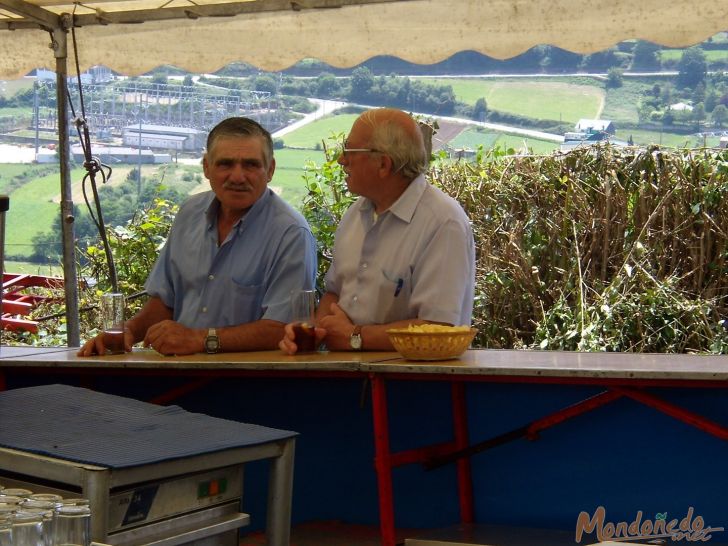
(382, 460)
(460, 427)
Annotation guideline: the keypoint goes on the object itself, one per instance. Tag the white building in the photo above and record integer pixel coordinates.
(163, 137)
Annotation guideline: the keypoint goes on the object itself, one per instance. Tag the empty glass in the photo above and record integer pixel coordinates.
(51, 497)
(6, 530)
(72, 525)
(17, 492)
(27, 529)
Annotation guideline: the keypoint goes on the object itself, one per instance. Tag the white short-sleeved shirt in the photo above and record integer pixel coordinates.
(416, 260)
(268, 253)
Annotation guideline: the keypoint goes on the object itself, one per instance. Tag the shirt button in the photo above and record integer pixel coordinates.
(364, 265)
(204, 309)
(355, 299)
(211, 277)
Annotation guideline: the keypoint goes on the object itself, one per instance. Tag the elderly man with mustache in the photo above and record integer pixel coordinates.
(234, 254)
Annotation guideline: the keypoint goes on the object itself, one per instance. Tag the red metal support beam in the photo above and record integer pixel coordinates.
(460, 428)
(382, 460)
(681, 414)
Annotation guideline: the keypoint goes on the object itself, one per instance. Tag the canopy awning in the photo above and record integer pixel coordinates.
(275, 34)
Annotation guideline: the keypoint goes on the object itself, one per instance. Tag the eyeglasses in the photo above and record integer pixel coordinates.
(345, 150)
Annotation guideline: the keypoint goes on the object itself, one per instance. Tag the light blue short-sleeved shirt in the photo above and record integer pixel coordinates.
(268, 253)
(416, 260)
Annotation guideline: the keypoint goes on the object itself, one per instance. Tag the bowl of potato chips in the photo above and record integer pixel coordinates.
(431, 341)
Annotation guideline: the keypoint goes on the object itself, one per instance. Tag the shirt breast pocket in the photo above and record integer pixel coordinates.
(243, 302)
(394, 295)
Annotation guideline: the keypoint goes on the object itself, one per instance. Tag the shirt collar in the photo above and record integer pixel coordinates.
(253, 212)
(404, 207)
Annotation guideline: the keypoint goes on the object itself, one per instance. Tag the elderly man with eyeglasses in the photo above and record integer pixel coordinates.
(403, 252)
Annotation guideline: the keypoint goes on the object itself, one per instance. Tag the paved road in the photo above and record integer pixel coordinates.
(325, 107)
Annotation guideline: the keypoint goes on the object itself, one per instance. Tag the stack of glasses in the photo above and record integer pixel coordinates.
(42, 519)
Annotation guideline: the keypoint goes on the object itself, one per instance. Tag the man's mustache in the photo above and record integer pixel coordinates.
(237, 186)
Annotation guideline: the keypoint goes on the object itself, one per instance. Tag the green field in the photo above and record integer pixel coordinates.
(711, 55)
(288, 177)
(539, 99)
(311, 135)
(9, 87)
(474, 137)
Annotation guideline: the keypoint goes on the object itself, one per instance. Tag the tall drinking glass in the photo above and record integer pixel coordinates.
(27, 529)
(72, 525)
(112, 319)
(6, 530)
(303, 309)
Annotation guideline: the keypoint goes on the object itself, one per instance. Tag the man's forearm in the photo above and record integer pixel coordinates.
(374, 336)
(154, 311)
(260, 335)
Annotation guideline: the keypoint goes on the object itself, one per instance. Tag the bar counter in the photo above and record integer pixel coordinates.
(617, 375)
(546, 365)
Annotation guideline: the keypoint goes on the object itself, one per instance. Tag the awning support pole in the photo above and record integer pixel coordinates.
(60, 48)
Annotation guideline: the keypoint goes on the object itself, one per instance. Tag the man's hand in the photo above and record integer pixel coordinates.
(288, 343)
(338, 328)
(171, 338)
(95, 346)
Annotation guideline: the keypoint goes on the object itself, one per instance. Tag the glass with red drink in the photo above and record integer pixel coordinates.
(303, 309)
(112, 319)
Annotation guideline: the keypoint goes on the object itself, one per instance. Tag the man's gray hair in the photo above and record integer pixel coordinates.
(405, 148)
(242, 127)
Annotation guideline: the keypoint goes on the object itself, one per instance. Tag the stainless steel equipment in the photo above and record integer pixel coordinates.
(158, 500)
(200, 508)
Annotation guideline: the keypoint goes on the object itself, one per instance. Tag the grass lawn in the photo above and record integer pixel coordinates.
(620, 105)
(29, 268)
(33, 210)
(474, 137)
(670, 140)
(711, 55)
(310, 136)
(540, 99)
(288, 177)
(8, 88)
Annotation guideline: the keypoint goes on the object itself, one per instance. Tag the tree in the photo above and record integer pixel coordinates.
(720, 115)
(698, 114)
(645, 56)
(711, 100)
(561, 60)
(699, 93)
(327, 85)
(692, 67)
(480, 110)
(160, 78)
(265, 82)
(614, 78)
(362, 81)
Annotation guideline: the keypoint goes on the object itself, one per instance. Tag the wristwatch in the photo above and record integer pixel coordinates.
(355, 339)
(212, 342)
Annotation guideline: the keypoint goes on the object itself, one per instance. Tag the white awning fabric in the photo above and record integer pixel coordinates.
(273, 35)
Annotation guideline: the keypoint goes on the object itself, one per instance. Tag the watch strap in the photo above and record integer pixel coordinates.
(212, 341)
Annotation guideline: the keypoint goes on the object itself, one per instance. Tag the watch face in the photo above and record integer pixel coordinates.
(355, 341)
(212, 344)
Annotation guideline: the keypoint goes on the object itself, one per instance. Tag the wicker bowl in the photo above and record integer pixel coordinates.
(444, 345)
